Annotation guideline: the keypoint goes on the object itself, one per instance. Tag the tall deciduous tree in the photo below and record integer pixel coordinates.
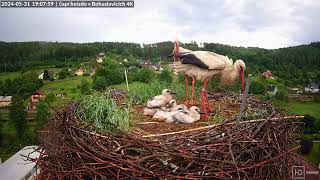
(18, 116)
(43, 114)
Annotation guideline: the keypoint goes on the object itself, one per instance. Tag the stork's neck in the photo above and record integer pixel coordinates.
(229, 74)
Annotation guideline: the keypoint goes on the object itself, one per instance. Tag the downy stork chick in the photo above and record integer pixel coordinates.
(161, 115)
(149, 111)
(160, 100)
(174, 106)
(186, 117)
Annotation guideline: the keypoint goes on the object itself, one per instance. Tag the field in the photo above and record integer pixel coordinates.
(312, 157)
(13, 75)
(312, 108)
(9, 75)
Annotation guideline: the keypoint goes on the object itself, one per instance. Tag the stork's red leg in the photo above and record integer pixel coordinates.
(186, 102)
(192, 102)
(203, 101)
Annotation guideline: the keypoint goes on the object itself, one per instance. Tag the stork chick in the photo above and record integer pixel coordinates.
(161, 115)
(149, 111)
(160, 100)
(186, 117)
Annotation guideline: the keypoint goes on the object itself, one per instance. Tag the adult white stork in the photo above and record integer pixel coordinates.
(204, 65)
(177, 49)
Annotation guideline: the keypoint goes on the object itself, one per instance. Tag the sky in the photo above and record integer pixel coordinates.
(250, 23)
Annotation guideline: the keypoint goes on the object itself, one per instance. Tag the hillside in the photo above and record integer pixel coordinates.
(297, 65)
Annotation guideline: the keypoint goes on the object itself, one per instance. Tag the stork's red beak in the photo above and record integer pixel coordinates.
(242, 79)
(176, 50)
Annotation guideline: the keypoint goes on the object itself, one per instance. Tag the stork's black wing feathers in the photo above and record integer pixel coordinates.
(189, 58)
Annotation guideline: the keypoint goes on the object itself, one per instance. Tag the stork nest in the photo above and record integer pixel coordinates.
(250, 149)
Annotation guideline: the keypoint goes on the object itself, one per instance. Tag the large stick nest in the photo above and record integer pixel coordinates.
(249, 149)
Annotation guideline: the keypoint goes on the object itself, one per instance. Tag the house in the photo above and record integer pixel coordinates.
(35, 99)
(5, 101)
(79, 72)
(272, 90)
(294, 90)
(100, 57)
(157, 67)
(60, 94)
(312, 88)
(41, 76)
(267, 74)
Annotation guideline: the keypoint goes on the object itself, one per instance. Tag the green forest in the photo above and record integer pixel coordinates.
(298, 65)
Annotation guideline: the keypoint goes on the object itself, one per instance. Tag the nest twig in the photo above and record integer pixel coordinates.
(225, 151)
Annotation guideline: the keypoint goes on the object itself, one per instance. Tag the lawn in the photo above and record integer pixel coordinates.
(312, 157)
(9, 75)
(13, 75)
(312, 108)
(123, 86)
(68, 86)
(10, 144)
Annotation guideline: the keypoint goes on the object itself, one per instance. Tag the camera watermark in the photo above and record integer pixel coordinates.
(299, 172)
(66, 4)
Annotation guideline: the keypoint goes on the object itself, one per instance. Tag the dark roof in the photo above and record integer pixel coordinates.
(271, 88)
(313, 86)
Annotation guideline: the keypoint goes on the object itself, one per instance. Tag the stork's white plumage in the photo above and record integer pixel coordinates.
(185, 117)
(160, 100)
(204, 65)
(161, 114)
(149, 111)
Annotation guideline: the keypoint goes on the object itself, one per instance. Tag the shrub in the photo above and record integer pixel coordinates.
(282, 95)
(104, 114)
(99, 83)
(51, 97)
(166, 76)
(43, 114)
(112, 75)
(84, 87)
(145, 75)
(306, 146)
(63, 73)
(257, 87)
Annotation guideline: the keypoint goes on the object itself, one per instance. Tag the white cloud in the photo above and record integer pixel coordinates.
(264, 23)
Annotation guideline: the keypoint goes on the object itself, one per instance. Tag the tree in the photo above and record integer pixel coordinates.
(18, 115)
(63, 73)
(306, 146)
(166, 76)
(257, 87)
(43, 114)
(145, 75)
(99, 83)
(84, 87)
